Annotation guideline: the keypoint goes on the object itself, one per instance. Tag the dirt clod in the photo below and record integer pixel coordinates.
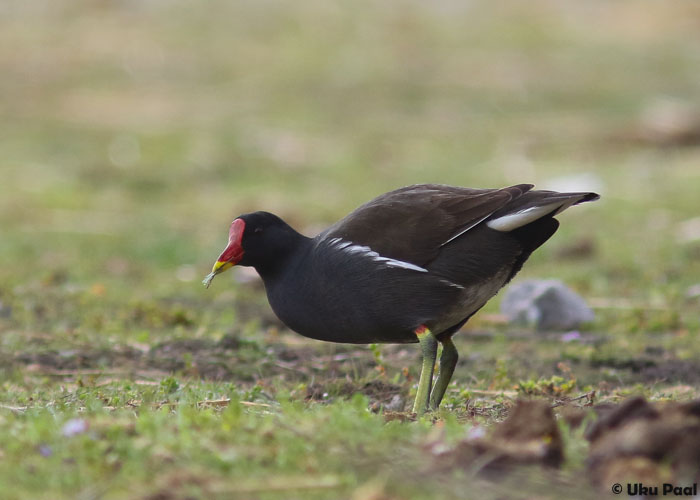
(528, 436)
(641, 441)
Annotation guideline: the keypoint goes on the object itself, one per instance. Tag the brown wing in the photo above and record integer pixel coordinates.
(412, 223)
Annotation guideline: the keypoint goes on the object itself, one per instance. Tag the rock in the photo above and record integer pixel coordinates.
(545, 304)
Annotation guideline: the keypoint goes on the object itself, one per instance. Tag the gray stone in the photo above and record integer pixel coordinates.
(545, 304)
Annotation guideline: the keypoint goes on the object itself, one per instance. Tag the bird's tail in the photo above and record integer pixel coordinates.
(534, 205)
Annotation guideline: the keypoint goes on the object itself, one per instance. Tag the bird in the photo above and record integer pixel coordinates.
(410, 266)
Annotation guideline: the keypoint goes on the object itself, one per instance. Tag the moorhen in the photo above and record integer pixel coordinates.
(412, 265)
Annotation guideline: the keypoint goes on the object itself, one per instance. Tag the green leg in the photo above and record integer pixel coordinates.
(428, 346)
(448, 361)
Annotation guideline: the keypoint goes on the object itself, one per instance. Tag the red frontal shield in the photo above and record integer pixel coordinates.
(233, 253)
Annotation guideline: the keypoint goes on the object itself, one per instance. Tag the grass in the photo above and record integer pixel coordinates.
(131, 134)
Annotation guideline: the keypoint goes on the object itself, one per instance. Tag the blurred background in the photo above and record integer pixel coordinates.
(132, 132)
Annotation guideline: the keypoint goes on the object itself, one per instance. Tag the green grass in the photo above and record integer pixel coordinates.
(131, 134)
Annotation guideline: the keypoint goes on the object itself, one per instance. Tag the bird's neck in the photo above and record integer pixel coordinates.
(284, 255)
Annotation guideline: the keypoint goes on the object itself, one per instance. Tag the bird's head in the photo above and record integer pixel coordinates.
(257, 239)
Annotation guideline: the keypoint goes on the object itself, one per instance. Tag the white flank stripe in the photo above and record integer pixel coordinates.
(449, 283)
(353, 249)
(521, 218)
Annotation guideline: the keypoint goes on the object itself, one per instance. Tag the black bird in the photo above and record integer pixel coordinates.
(412, 265)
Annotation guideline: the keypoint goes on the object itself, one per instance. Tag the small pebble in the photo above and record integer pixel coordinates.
(74, 427)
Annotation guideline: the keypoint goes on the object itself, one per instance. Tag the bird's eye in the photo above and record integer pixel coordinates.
(258, 230)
